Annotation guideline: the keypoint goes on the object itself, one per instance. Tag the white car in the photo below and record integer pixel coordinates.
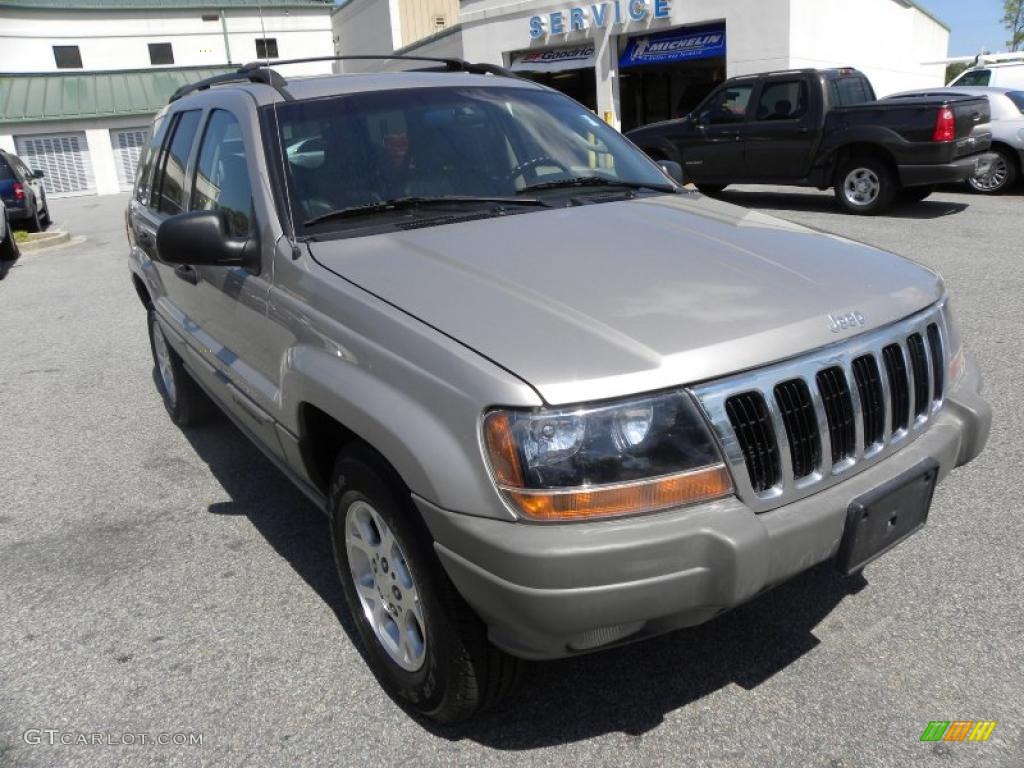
(1003, 70)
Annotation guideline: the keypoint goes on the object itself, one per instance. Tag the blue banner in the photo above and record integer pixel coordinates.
(676, 45)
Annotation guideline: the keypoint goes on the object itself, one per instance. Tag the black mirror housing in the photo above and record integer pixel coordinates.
(37, 174)
(201, 238)
(673, 170)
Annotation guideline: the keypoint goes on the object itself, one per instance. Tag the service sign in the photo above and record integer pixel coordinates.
(676, 45)
(597, 16)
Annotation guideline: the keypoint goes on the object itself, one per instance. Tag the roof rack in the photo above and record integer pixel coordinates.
(260, 72)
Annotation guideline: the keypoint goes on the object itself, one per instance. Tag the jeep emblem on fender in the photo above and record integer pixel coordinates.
(837, 323)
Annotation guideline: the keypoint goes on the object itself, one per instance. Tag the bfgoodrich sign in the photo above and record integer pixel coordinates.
(598, 15)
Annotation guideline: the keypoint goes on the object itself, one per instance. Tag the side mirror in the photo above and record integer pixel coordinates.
(201, 238)
(37, 174)
(672, 169)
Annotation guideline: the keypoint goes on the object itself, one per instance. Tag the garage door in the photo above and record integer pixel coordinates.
(63, 157)
(128, 144)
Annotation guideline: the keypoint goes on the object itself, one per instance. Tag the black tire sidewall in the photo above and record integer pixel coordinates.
(429, 689)
(191, 406)
(886, 179)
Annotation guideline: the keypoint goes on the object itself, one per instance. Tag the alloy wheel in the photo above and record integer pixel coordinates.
(861, 187)
(163, 363)
(994, 179)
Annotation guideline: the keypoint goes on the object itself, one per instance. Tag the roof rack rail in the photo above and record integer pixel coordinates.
(242, 75)
(260, 72)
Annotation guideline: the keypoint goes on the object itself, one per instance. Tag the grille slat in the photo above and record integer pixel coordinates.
(797, 409)
(938, 361)
(872, 404)
(899, 387)
(919, 365)
(835, 395)
(748, 413)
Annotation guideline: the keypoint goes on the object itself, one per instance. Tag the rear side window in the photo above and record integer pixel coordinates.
(975, 77)
(6, 174)
(784, 100)
(169, 182)
(848, 91)
(144, 174)
(1017, 97)
(222, 174)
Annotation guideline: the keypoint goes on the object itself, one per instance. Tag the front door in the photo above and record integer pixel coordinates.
(713, 147)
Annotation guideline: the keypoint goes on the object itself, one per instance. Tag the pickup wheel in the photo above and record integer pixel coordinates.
(711, 190)
(1000, 177)
(185, 402)
(865, 186)
(423, 642)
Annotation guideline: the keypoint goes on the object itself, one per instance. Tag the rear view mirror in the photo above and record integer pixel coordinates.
(37, 174)
(201, 238)
(672, 169)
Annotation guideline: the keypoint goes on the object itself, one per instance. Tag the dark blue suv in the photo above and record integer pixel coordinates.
(22, 192)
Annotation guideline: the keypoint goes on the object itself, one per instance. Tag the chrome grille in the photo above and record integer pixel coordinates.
(794, 428)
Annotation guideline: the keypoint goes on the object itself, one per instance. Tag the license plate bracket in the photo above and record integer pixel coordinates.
(880, 519)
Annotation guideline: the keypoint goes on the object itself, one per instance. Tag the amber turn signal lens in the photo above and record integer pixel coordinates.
(696, 485)
(501, 448)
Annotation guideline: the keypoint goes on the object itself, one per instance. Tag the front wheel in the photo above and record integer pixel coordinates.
(424, 644)
(865, 186)
(999, 177)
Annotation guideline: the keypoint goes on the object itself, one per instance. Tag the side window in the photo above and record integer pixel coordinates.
(848, 91)
(144, 174)
(169, 183)
(222, 174)
(783, 100)
(728, 105)
(975, 77)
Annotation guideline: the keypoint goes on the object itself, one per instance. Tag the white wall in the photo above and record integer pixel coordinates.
(110, 40)
(885, 39)
(364, 27)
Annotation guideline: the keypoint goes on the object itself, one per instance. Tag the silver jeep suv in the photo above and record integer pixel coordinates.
(550, 400)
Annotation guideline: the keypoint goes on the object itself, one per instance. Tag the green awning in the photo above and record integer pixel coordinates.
(65, 96)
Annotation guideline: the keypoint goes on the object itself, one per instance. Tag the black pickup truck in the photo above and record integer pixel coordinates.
(823, 128)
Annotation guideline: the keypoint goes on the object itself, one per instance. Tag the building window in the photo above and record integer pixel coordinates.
(161, 53)
(440, 21)
(67, 56)
(266, 47)
(210, 17)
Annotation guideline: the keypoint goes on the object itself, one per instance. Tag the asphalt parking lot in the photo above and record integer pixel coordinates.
(158, 581)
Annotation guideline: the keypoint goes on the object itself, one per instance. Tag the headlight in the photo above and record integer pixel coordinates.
(637, 455)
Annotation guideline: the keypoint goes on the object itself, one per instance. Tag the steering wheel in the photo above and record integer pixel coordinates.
(523, 167)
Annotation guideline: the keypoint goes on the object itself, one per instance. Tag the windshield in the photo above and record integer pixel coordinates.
(470, 150)
(1017, 97)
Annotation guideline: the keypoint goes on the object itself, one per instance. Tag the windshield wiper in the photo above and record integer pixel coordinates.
(597, 181)
(414, 201)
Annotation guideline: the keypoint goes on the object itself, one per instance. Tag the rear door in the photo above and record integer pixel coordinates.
(176, 302)
(780, 136)
(713, 151)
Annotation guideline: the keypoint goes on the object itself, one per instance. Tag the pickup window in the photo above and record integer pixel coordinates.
(783, 100)
(728, 105)
(848, 91)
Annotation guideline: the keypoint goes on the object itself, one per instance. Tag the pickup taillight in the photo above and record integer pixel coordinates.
(945, 125)
(19, 191)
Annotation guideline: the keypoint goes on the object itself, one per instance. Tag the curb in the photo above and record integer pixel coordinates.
(42, 241)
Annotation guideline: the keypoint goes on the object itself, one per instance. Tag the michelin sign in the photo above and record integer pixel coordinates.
(597, 16)
(675, 45)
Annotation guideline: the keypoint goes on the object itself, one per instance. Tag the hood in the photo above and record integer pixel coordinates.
(603, 300)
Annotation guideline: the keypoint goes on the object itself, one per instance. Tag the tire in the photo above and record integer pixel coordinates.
(865, 186)
(185, 401)
(914, 194)
(711, 190)
(1001, 176)
(35, 224)
(9, 250)
(447, 670)
(45, 219)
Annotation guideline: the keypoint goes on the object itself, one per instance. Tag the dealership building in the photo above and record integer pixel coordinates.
(638, 61)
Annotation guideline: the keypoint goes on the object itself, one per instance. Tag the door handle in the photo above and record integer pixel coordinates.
(187, 273)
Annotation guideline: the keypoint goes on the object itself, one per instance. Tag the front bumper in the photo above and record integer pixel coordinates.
(548, 591)
(941, 173)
